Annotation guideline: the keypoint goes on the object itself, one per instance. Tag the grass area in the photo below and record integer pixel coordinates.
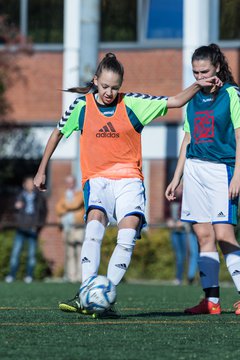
(152, 325)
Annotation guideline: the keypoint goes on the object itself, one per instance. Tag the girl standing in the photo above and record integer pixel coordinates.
(209, 161)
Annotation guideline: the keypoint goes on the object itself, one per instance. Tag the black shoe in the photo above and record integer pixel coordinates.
(73, 305)
(107, 314)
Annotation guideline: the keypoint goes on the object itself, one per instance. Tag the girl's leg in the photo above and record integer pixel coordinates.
(91, 249)
(208, 264)
(231, 250)
(121, 256)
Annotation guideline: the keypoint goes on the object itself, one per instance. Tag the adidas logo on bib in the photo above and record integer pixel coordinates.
(107, 131)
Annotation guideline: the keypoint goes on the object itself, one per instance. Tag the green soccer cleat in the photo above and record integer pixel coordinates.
(107, 314)
(73, 305)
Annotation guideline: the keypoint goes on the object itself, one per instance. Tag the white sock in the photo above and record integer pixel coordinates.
(214, 300)
(121, 256)
(233, 265)
(208, 263)
(91, 249)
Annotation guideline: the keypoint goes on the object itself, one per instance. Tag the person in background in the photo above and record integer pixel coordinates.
(110, 123)
(31, 213)
(70, 210)
(184, 243)
(209, 161)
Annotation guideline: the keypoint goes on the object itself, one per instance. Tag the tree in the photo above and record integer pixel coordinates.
(11, 44)
(229, 20)
(14, 140)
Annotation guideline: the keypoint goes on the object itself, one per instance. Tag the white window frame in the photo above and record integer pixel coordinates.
(142, 42)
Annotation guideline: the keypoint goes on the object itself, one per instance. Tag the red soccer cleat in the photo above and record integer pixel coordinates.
(206, 307)
(237, 307)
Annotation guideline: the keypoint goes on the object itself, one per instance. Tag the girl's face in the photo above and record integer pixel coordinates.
(108, 84)
(203, 69)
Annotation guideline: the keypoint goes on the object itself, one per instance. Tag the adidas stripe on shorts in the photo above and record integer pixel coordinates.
(116, 198)
(205, 193)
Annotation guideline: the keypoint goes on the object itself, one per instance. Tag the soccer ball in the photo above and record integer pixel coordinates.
(97, 294)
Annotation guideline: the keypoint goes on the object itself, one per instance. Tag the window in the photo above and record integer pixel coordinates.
(124, 23)
(45, 21)
(229, 20)
(42, 21)
(141, 20)
(165, 19)
(10, 9)
(118, 20)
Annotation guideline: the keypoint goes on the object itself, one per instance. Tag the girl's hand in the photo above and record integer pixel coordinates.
(213, 82)
(170, 191)
(234, 188)
(39, 182)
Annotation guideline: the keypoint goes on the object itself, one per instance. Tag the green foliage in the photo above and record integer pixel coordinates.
(42, 26)
(118, 20)
(42, 269)
(12, 44)
(153, 257)
(229, 19)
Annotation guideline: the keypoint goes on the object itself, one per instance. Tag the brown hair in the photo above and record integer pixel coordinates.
(216, 56)
(109, 63)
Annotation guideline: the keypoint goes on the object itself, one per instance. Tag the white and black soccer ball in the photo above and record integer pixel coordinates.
(97, 294)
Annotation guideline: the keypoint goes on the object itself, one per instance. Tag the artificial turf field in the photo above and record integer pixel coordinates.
(152, 325)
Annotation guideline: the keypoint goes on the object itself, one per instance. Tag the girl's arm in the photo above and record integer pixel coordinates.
(184, 96)
(234, 188)
(170, 191)
(40, 178)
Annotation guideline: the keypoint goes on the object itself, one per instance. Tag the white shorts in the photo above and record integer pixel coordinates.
(205, 193)
(116, 198)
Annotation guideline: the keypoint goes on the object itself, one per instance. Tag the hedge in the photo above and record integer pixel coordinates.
(153, 257)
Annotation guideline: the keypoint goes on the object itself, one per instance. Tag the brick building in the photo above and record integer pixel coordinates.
(36, 100)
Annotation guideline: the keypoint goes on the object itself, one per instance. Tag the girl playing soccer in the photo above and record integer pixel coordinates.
(111, 123)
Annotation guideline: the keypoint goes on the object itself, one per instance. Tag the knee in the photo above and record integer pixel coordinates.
(205, 236)
(97, 215)
(222, 235)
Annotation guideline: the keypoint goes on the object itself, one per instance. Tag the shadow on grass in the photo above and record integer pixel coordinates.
(156, 314)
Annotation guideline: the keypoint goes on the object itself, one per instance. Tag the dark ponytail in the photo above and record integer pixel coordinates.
(109, 63)
(216, 56)
(90, 87)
